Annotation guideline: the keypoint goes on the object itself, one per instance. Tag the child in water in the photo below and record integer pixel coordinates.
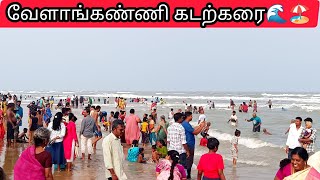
(307, 134)
(234, 146)
(204, 140)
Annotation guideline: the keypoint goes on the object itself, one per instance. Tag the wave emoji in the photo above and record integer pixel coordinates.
(273, 15)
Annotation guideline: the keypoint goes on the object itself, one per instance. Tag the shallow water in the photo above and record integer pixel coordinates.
(259, 154)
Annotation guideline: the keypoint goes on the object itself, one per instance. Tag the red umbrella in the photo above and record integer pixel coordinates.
(299, 9)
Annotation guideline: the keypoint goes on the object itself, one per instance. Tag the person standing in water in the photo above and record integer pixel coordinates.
(256, 122)
(250, 103)
(269, 103)
(233, 119)
(190, 137)
(255, 106)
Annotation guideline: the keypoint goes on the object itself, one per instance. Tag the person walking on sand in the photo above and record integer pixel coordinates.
(132, 131)
(86, 133)
(256, 122)
(113, 153)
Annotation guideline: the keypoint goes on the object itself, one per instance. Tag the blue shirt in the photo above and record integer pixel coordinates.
(256, 120)
(189, 134)
(20, 112)
(133, 154)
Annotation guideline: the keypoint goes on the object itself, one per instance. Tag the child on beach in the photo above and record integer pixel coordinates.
(144, 131)
(307, 134)
(204, 140)
(234, 146)
(22, 137)
(141, 158)
(155, 154)
(266, 132)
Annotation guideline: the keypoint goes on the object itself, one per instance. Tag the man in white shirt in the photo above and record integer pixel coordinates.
(202, 117)
(177, 140)
(293, 136)
(170, 117)
(113, 152)
(10, 100)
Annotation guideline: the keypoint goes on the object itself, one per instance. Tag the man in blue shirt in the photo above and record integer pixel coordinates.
(19, 111)
(256, 122)
(190, 133)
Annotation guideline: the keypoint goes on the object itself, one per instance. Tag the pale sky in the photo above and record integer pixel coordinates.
(160, 59)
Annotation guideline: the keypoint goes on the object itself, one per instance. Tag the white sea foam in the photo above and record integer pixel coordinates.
(123, 92)
(284, 95)
(68, 92)
(248, 142)
(256, 163)
(200, 152)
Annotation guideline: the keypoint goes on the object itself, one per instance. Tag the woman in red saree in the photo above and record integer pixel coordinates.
(35, 163)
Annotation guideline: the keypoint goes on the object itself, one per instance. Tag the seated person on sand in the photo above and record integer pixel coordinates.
(141, 158)
(266, 132)
(22, 137)
(155, 154)
(133, 152)
(162, 149)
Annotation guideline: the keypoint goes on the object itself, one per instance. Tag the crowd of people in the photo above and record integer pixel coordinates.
(54, 140)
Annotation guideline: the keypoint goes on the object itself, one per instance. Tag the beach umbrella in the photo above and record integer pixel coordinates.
(299, 9)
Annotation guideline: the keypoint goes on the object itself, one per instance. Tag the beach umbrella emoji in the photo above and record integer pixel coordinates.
(299, 9)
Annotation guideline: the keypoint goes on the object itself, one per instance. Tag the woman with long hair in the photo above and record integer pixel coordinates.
(70, 141)
(169, 168)
(58, 131)
(35, 162)
(297, 167)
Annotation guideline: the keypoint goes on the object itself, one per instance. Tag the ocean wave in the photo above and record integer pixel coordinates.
(200, 152)
(247, 142)
(68, 92)
(123, 92)
(256, 163)
(33, 92)
(284, 95)
(158, 93)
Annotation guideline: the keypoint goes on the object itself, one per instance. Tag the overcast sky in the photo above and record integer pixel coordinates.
(160, 59)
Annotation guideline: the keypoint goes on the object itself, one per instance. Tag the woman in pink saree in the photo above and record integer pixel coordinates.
(132, 128)
(70, 141)
(35, 163)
